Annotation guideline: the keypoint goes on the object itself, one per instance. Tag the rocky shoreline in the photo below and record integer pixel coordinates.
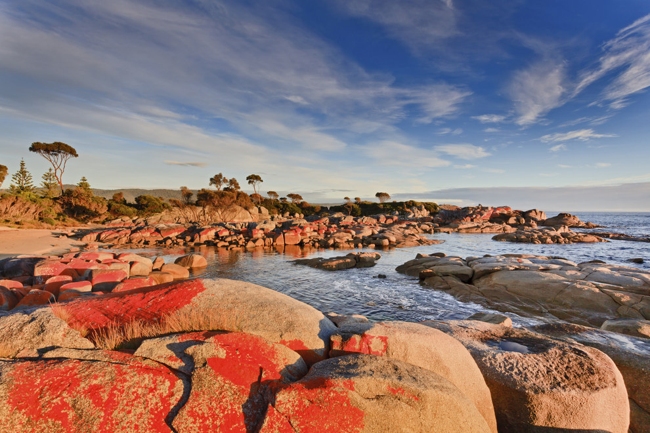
(103, 341)
(340, 231)
(203, 355)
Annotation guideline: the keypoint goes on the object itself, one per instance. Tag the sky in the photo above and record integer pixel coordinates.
(423, 99)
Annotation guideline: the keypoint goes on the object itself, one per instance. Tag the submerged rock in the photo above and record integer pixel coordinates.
(352, 260)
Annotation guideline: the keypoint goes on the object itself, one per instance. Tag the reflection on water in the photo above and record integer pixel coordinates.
(398, 297)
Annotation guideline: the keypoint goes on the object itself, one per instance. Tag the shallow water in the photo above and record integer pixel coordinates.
(398, 297)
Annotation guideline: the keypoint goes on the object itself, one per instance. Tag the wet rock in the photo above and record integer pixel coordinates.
(192, 261)
(495, 319)
(177, 271)
(537, 382)
(633, 327)
(352, 260)
(548, 236)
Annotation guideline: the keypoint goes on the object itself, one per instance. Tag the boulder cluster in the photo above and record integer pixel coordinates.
(587, 293)
(548, 235)
(41, 280)
(337, 231)
(349, 261)
(222, 355)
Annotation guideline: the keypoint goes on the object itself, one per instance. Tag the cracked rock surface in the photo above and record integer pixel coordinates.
(539, 286)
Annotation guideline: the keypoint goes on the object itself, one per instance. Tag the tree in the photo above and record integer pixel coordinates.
(83, 183)
(383, 197)
(257, 198)
(3, 173)
(357, 200)
(347, 199)
(21, 181)
(49, 183)
(218, 180)
(273, 195)
(254, 180)
(295, 198)
(57, 154)
(233, 185)
(186, 195)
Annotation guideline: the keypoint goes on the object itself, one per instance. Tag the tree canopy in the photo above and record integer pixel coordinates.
(273, 195)
(57, 154)
(3, 173)
(218, 180)
(383, 197)
(254, 180)
(295, 198)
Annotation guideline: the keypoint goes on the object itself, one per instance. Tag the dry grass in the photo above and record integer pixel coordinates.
(130, 335)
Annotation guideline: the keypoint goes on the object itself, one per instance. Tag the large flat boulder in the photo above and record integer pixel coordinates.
(541, 383)
(363, 393)
(120, 393)
(421, 346)
(210, 304)
(231, 377)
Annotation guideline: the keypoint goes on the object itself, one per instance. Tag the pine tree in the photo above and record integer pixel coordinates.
(21, 181)
(83, 183)
(49, 184)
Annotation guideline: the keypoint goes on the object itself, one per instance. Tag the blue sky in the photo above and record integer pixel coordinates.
(332, 98)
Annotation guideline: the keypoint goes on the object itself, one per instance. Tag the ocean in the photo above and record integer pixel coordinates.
(399, 297)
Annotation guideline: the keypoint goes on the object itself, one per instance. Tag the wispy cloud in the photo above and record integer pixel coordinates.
(558, 147)
(464, 167)
(463, 151)
(602, 164)
(491, 130)
(187, 164)
(490, 118)
(580, 134)
(537, 89)
(399, 154)
(445, 131)
(494, 170)
(420, 24)
(628, 52)
(565, 166)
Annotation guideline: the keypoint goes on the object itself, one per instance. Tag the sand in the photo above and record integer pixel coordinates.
(14, 242)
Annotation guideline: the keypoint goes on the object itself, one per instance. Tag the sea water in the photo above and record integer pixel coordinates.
(399, 297)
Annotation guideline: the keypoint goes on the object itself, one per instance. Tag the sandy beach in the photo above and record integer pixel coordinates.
(34, 241)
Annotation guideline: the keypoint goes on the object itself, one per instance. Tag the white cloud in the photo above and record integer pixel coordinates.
(463, 151)
(399, 154)
(187, 164)
(297, 99)
(558, 147)
(490, 118)
(580, 134)
(628, 53)
(602, 164)
(491, 130)
(420, 24)
(464, 167)
(537, 89)
(564, 166)
(445, 131)
(437, 101)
